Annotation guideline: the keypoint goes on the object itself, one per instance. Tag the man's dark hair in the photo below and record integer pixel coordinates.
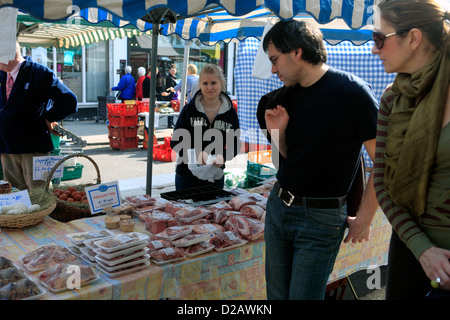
(291, 35)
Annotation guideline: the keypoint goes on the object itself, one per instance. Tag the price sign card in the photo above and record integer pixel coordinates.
(10, 199)
(102, 196)
(43, 165)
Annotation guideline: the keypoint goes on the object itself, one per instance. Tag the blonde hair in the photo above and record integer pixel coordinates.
(215, 70)
(192, 68)
(427, 15)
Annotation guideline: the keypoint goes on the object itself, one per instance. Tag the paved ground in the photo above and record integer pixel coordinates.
(131, 165)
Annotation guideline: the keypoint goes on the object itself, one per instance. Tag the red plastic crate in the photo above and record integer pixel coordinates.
(122, 109)
(235, 104)
(175, 105)
(163, 153)
(123, 143)
(167, 141)
(122, 132)
(142, 106)
(123, 121)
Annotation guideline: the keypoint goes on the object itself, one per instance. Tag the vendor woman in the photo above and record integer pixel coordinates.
(211, 133)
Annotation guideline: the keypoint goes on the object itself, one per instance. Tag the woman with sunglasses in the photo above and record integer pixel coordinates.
(412, 160)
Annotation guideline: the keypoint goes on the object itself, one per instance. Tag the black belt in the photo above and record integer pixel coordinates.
(317, 203)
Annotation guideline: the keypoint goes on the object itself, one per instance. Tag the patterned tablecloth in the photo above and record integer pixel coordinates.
(234, 274)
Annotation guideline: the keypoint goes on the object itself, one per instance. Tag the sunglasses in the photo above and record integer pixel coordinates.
(379, 38)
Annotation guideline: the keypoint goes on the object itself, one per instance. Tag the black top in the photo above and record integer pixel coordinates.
(328, 122)
(197, 127)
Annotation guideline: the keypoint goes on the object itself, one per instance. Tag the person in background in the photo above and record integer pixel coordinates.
(32, 100)
(126, 85)
(412, 163)
(168, 95)
(211, 110)
(191, 82)
(320, 111)
(146, 85)
(141, 77)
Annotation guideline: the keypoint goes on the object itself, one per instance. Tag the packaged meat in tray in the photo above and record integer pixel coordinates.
(121, 241)
(221, 205)
(127, 251)
(158, 244)
(23, 289)
(167, 255)
(253, 211)
(10, 275)
(140, 200)
(210, 228)
(110, 262)
(124, 264)
(248, 199)
(88, 254)
(172, 207)
(6, 263)
(190, 239)
(198, 249)
(248, 228)
(46, 256)
(56, 278)
(80, 237)
(227, 240)
(160, 204)
(173, 233)
(122, 271)
(91, 243)
(188, 214)
(158, 221)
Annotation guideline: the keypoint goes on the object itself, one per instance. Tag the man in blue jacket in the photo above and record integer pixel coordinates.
(32, 99)
(126, 85)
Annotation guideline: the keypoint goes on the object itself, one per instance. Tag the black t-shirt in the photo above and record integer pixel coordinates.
(328, 122)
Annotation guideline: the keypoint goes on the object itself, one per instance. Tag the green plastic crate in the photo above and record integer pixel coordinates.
(256, 173)
(56, 141)
(72, 172)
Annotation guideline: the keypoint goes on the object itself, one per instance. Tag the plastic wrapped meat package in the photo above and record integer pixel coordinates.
(250, 229)
(56, 277)
(46, 256)
(227, 240)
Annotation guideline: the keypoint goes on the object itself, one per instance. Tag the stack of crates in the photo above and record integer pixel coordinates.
(259, 168)
(123, 125)
(142, 106)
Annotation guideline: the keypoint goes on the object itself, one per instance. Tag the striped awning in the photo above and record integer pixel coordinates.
(69, 33)
(355, 13)
(220, 26)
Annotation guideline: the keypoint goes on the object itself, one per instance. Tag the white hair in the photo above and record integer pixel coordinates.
(141, 71)
(127, 69)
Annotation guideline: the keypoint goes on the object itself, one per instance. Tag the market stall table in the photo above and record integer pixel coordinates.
(234, 274)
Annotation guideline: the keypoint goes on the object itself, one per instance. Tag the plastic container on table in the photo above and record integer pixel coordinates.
(190, 240)
(122, 241)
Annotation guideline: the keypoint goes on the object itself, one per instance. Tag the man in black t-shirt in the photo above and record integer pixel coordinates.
(317, 124)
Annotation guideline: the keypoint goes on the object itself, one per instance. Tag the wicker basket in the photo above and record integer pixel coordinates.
(23, 221)
(67, 211)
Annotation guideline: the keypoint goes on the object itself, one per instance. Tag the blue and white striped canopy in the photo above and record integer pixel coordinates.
(355, 13)
(220, 26)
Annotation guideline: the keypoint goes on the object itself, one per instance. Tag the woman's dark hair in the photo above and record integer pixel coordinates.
(427, 15)
(291, 35)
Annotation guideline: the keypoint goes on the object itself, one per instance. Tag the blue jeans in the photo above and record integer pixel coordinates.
(301, 248)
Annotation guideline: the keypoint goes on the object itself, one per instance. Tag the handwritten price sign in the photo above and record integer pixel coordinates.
(102, 196)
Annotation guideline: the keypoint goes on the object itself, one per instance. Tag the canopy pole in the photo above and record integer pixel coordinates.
(184, 75)
(151, 118)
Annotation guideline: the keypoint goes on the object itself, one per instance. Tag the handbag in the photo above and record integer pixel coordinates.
(357, 189)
